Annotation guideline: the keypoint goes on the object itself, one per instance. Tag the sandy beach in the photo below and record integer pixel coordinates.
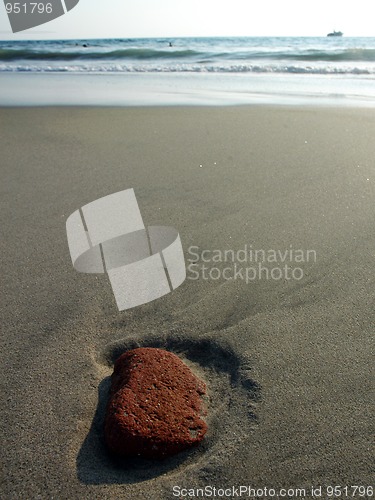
(287, 360)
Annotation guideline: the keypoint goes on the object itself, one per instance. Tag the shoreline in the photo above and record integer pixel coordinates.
(202, 89)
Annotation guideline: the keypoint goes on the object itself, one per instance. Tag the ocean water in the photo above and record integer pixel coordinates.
(190, 70)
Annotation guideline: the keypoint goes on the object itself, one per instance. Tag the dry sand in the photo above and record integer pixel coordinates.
(288, 362)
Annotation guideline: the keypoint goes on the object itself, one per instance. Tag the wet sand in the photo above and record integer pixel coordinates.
(287, 361)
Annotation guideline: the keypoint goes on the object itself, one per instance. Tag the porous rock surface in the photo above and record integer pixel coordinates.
(155, 406)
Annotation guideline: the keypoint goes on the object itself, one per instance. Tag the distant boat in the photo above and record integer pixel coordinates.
(335, 33)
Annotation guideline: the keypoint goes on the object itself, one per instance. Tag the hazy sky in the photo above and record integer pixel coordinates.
(176, 18)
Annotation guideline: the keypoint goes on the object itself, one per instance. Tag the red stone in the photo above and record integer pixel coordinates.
(155, 406)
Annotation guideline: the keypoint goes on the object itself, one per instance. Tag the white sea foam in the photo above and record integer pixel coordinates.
(194, 70)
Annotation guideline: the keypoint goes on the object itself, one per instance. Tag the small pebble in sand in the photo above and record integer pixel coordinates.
(155, 407)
